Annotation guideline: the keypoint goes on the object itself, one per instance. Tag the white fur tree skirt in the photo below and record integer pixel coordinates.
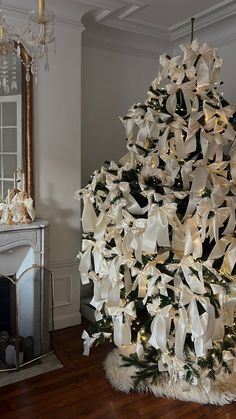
(222, 391)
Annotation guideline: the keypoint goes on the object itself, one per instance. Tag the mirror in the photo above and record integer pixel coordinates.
(16, 123)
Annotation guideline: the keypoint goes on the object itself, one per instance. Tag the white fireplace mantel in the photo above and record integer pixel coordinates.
(21, 246)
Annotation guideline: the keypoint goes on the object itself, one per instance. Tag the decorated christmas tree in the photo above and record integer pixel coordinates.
(159, 237)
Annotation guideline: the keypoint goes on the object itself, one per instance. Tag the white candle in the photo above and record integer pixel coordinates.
(23, 188)
(2, 33)
(14, 180)
(8, 196)
(41, 7)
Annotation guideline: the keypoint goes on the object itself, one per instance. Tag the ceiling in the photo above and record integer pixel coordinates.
(144, 26)
(163, 19)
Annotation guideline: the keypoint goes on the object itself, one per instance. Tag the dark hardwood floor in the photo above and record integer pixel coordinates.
(81, 390)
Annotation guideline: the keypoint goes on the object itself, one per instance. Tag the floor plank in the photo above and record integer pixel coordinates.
(81, 390)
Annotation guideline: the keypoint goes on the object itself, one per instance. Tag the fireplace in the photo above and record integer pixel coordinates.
(24, 294)
(7, 306)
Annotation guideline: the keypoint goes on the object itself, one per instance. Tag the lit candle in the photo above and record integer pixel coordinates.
(41, 7)
(2, 33)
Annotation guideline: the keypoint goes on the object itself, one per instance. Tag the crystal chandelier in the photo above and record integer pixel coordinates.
(36, 38)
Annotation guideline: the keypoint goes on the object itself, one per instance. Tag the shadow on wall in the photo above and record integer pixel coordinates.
(64, 237)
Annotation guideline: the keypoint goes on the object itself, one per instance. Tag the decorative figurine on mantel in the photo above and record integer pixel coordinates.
(18, 206)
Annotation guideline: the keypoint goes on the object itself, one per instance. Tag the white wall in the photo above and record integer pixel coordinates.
(228, 73)
(57, 156)
(58, 166)
(111, 82)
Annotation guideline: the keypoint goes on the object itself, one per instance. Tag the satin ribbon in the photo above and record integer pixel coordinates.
(181, 328)
(175, 367)
(193, 244)
(122, 317)
(202, 326)
(187, 90)
(213, 224)
(233, 163)
(143, 278)
(4, 210)
(90, 340)
(131, 204)
(223, 113)
(160, 326)
(157, 230)
(17, 208)
(89, 247)
(89, 218)
(166, 64)
(133, 237)
(186, 171)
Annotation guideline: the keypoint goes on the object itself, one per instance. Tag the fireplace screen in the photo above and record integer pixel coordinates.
(26, 317)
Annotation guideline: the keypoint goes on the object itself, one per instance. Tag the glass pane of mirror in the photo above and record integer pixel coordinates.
(15, 122)
(9, 112)
(9, 163)
(9, 140)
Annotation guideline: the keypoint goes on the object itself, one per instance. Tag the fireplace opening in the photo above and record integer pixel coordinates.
(24, 317)
(7, 318)
(7, 306)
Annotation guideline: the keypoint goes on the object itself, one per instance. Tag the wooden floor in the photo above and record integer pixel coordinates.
(80, 390)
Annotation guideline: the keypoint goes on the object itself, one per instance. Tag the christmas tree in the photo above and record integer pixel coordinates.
(159, 231)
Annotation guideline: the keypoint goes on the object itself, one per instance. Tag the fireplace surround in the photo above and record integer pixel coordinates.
(23, 255)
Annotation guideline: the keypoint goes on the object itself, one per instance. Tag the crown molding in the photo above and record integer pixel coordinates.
(139, 27)
(204, 19)
(122, 49)
(226, 40)
(107, 37)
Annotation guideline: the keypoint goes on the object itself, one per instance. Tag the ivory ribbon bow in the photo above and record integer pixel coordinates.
(4, 208)
(202, 326)
(219, 216)
(90, 340)
(122, 317)
(157, 230)
(89, 218)
(160, 326)
(189, 96)
(90, 247)
(193, 244)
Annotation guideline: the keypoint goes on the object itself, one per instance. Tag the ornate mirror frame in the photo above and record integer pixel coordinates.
(27, 124)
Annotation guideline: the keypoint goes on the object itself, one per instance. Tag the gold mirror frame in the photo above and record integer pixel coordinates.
(27, 123)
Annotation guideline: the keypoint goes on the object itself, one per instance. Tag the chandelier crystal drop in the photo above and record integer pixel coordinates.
(36, 38)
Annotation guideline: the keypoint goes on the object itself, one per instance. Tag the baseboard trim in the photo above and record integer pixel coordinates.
(68, 320)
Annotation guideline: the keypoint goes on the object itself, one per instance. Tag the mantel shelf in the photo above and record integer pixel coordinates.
(37, 223)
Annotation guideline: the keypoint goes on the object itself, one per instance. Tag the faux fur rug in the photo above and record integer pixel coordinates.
(222, 391)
